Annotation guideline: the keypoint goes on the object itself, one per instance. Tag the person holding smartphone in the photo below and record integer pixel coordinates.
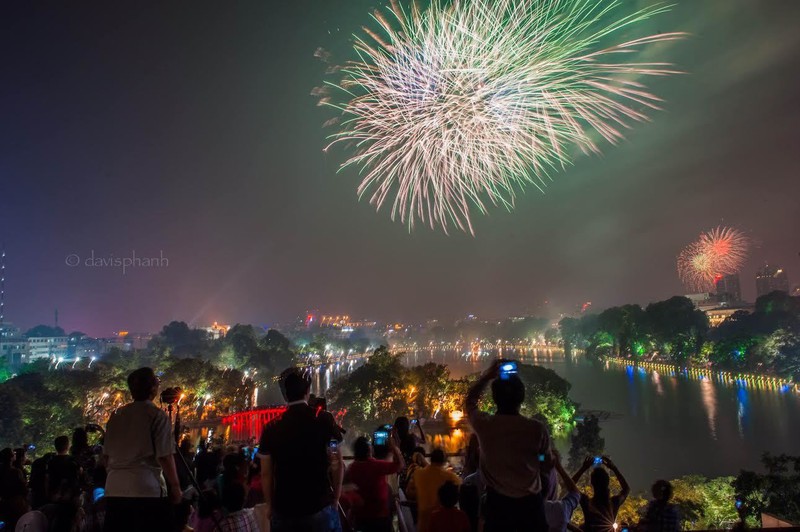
(600, 510)
(368, 475)
(559, 512)
(408, 441)
(510, 448)
(300, 478)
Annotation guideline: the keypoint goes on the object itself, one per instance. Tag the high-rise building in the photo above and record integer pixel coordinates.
(49, 347)
(13, 347)
(728, 288)
(771, 278)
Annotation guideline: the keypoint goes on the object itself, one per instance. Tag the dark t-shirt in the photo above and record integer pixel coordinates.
(298, 445)
(62, 472)
(12, 483)
(206, 463)
(661, 517)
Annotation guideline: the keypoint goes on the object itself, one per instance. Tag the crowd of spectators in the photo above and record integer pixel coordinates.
(135, 478)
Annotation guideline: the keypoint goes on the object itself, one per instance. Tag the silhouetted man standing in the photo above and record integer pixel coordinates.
(139, 450)
(301, 479)
(512, 449)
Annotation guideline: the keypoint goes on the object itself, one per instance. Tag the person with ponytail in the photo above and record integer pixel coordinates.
(600, 510)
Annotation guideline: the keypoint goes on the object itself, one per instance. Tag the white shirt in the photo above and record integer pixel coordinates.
(137, 435)
(559, 513)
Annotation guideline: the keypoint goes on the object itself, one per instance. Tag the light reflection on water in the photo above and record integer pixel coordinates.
(710, 405)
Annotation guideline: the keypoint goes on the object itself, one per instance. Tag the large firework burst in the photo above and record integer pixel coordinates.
(720, 251)
(458, 106)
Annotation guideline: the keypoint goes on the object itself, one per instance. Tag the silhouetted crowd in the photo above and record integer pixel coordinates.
(133, 476)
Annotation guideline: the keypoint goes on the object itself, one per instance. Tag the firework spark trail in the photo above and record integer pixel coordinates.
(460, 105)
(720, 251)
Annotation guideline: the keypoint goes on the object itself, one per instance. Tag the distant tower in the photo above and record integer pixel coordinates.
(771, 278)
(56, 313)
(728, 288)
(2, 283)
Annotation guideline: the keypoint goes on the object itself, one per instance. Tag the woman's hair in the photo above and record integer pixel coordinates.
(600, 484)
(6, 456)
(232, 464)
(402, 425)
(80, 441)
(361, 448)
(472, 456)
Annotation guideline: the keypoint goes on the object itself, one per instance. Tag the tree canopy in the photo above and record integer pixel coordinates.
(382, 389)
(764, 341)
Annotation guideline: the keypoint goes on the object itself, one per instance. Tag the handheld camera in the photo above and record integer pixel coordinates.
(333, 446)
(507, 369)
(598, 461)
(380, 437)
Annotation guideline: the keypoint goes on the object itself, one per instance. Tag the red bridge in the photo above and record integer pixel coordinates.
(248, 424)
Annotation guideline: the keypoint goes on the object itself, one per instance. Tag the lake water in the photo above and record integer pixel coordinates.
(664, 426)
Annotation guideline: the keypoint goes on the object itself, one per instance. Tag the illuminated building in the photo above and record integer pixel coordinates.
(12, 345)
(124, 341)
(771, 278)
(49, 347)
(83, 347)
(216, 331)
(717, 315)
(728, 288)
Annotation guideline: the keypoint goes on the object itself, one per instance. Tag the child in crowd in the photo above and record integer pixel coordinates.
(448, 518)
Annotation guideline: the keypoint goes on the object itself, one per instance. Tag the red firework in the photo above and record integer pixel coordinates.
(718, 252)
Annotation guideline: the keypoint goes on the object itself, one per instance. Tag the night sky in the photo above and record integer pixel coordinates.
(189, 129)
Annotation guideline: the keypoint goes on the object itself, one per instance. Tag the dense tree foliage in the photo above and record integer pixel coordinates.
(178, 339)
(41, 331)
(585, 441)
(216, 377)
(373, 393)
(764, 341)
(775, 492)
(383, 388)
(705, 504)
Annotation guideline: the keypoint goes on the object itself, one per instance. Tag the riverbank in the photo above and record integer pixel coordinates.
(728, 377)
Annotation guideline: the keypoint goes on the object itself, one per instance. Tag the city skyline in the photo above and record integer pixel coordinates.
(727, 293)
(193, 137)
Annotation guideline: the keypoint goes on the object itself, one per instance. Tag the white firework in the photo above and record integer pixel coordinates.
(460, 105)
